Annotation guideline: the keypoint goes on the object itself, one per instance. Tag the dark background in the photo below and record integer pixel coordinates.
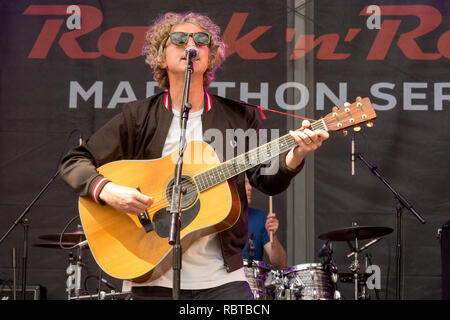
(410, 147)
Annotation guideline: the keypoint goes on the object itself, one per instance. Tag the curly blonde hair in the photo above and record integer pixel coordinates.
(156, 37)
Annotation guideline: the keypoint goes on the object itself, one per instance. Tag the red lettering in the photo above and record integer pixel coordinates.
(290, 33)
(108, 41)
(351, 34)
(429, 19)
(91, 18)
(45, 39)
(383, 40)
(444, 44)
(305, 43)
(243, 47)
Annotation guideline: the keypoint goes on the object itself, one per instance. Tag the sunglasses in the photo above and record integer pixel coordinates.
(180, 38)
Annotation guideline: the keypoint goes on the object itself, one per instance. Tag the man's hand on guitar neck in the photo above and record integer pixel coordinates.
(125, 199)
(307, 141)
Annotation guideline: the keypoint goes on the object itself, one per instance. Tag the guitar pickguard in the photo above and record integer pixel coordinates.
(161, 219)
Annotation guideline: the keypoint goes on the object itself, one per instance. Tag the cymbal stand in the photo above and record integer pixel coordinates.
(70, 271)
(74, 274)
(360, 285)
(355, 266)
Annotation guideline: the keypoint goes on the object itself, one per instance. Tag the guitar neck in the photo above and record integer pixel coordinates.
(250, 159)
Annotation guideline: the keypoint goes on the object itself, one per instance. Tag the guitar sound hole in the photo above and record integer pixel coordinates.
(189, 191)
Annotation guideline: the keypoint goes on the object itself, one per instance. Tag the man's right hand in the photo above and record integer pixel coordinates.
(125, 199)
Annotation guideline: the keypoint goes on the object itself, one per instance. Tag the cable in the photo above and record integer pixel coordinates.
(63, 152)
(62, 234)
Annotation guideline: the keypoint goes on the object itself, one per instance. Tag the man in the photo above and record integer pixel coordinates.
(149, 129)
(260, 225)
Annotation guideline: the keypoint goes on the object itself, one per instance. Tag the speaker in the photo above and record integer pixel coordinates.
(32, 292)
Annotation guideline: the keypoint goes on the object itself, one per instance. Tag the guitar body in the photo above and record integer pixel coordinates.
(118, 241)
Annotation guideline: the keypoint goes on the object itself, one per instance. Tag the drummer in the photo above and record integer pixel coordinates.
(260, 224)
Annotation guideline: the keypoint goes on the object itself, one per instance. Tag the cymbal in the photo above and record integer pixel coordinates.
(359, 232)
(74, 237)
(55, 245)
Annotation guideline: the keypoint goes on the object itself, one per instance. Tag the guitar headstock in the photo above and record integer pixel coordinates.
(351, 115)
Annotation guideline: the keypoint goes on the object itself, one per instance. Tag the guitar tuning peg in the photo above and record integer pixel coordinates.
(357, 128)
(335, 109)
(358, 99)
(346, 104)
(344, 132)
(369, 124)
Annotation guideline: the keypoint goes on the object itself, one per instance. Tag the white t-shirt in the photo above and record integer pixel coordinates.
(202, 263)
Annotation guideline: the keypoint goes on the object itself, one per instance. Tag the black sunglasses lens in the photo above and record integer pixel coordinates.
(180, 38)
(201, 38)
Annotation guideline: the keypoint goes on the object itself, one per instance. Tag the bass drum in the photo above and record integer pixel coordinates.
(257, 272)
(308, 281)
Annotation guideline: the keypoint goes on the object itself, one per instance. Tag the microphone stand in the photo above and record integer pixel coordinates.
(25, 220)
(402, 203)
(175, 207)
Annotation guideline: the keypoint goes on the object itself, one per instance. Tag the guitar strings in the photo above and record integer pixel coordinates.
(164, 202)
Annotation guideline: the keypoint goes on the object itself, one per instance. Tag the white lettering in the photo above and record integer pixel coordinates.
(301, 89)
(74, 20)
(117, 96)
(373, 281)
(222, 87)
(322, 90)
(374, 20)
(375, 91)
(75, 89)
(262, 95)
(439, 96)
(408, 96)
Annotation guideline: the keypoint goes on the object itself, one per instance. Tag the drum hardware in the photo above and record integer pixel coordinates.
(360, 284)
(251, 247)
(77, 240)
(357, 233)
(274, 283)
(260, 279)
(73, 282)
(103, 295)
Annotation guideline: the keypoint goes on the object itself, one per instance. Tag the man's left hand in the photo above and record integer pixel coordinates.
(307, 141)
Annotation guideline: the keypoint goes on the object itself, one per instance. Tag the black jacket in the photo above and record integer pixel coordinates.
(140, 131)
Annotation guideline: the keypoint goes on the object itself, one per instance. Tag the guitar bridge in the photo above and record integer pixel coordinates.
(144, 219)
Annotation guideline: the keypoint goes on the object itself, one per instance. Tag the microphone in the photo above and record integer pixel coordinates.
(109, 285)
(353, 154)
(251, 247)
(324, 251)
(82, 244)
(191, 53)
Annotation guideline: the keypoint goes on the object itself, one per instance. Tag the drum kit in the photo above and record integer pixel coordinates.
(308, 281)
(315, 281)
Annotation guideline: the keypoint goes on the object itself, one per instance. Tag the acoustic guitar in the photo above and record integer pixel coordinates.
(128, 246)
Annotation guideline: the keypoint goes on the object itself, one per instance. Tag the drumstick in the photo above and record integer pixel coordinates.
(270, 211)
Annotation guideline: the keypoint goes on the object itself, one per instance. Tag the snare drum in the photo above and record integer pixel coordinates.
(308, 282)
(257, 273)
